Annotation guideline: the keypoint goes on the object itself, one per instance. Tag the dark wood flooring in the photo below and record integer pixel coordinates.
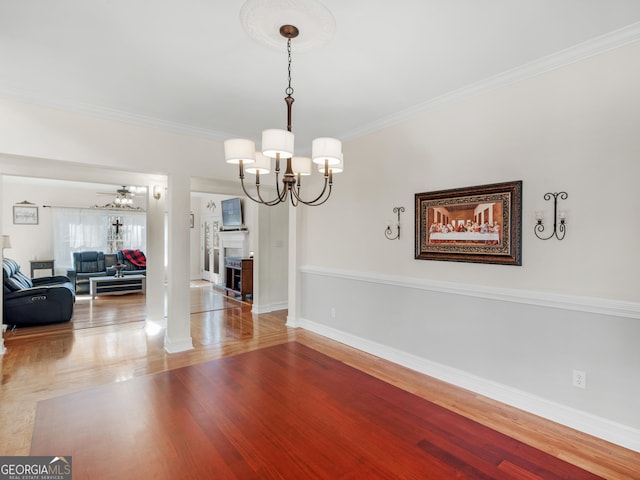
(285, 411)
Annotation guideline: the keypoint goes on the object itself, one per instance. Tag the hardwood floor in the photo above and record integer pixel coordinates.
(286, 411)
(63, 361)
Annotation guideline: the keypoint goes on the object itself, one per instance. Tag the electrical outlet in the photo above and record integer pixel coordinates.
(579, 379)
(333, 312)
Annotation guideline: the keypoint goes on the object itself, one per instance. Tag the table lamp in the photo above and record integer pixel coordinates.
(6, 243)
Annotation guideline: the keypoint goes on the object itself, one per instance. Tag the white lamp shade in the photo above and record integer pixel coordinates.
(339, 168)
(325, 148)
(236, 149)
(276, 142)
(262, 165)
(301, 165)
(6, 241)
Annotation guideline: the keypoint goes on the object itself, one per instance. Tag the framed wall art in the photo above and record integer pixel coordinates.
(481, 224)
(25, 215)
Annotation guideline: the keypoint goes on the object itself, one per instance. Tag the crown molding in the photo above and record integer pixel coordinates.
(110, 113)
(590, 48)
(601, 44)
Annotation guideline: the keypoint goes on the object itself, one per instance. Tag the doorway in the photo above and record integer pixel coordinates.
(210, 249)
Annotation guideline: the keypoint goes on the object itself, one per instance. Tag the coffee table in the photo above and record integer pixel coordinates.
(117, 285)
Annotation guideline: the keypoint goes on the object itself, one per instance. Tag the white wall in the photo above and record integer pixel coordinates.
(45, 133)
(573, 129)
(271, 258)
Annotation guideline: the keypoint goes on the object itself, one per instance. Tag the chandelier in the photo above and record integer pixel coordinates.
(278, 144)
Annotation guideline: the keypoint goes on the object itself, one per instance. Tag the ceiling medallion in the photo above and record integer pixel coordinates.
(262, 20)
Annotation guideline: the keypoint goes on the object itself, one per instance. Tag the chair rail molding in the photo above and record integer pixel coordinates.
(604, 306)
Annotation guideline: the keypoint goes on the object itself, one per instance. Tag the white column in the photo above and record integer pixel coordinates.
(178, 333)
(292, 274)
(156, 274)
(261, 259)
(254, 245)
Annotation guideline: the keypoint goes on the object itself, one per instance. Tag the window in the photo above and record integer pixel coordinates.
(78, 229)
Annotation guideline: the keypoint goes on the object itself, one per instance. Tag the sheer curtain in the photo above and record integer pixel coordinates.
(77, 229)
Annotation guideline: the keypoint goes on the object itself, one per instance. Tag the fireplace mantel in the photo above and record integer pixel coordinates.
(238, 242)
(235, 239)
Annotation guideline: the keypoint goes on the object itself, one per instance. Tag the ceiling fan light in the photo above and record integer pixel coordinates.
(301, 165)
(261, 165)
(236, 149)
(326, 148)
(276, 141)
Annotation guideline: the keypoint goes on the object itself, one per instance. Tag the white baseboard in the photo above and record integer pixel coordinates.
(3, 349)
(271, 307)
(292, 322)
(178, 346)
(585, 422)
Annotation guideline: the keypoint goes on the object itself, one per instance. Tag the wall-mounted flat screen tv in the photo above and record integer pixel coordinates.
(232, 213)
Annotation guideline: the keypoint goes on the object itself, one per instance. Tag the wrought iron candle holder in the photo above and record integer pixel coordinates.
(389, 231)
(559, 227)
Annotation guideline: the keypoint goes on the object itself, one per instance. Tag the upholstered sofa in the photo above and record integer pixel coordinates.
(134, 260)
(92, 263)
(37, 301)
(89, 264)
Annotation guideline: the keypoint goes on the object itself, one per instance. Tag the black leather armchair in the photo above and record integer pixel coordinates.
(37, 301)
(89, 264)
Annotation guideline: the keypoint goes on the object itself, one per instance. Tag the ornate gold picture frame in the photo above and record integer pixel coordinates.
(481, 224)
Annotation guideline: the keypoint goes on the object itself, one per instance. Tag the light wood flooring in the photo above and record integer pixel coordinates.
(113, 348)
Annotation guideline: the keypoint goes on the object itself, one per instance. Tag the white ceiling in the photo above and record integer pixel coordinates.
(189, 64)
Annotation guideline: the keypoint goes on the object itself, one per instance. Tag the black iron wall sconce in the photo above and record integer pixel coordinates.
(389, 231)
(559, 228)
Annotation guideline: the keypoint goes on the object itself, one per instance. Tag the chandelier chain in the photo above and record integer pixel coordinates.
(289, 89)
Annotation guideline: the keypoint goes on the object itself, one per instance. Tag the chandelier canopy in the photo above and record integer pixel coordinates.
(278, 144)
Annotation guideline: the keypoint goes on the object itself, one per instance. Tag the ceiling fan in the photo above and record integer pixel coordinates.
(122, 196)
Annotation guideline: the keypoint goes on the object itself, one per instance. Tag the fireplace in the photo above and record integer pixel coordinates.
(232, 244)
